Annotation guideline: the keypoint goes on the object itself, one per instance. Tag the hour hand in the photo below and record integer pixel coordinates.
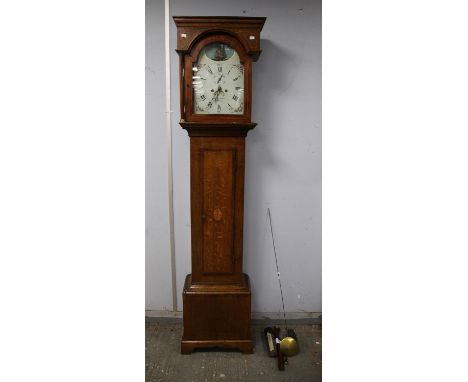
(219, 79)
(214, 98)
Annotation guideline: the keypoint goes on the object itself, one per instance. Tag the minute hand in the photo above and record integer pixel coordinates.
(220, 78)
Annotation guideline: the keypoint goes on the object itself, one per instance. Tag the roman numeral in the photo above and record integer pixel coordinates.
(220, 69)
(209, 105)
(235, 98)
(219, 108)
(203, 97)
(235, 79)
(209, 70)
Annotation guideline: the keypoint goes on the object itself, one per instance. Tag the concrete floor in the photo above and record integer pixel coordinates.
(165, 363)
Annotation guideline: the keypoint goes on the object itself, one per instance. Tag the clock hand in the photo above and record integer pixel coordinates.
(218, 92)
(214, 98)
(220, 78)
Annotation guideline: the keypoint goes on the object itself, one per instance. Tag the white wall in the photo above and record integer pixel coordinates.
(283, 158)
(158, 258)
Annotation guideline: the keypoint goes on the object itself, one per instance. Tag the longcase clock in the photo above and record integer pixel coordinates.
(216, 55)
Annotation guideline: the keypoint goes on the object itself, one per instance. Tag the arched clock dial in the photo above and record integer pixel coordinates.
(218, 81)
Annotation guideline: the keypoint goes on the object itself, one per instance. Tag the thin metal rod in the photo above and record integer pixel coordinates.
(169, 151)
(277, 268)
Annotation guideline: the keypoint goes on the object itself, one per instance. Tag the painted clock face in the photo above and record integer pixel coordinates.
(218, 81)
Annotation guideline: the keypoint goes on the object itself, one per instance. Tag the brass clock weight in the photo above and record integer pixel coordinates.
(276, 346)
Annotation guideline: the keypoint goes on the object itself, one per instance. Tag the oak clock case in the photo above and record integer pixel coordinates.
(215, 57)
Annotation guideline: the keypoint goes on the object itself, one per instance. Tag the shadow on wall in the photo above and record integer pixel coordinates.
(276, 67)
(273, 77)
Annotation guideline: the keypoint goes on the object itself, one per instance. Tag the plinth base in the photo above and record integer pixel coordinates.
(245, 346)
(217, 316)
